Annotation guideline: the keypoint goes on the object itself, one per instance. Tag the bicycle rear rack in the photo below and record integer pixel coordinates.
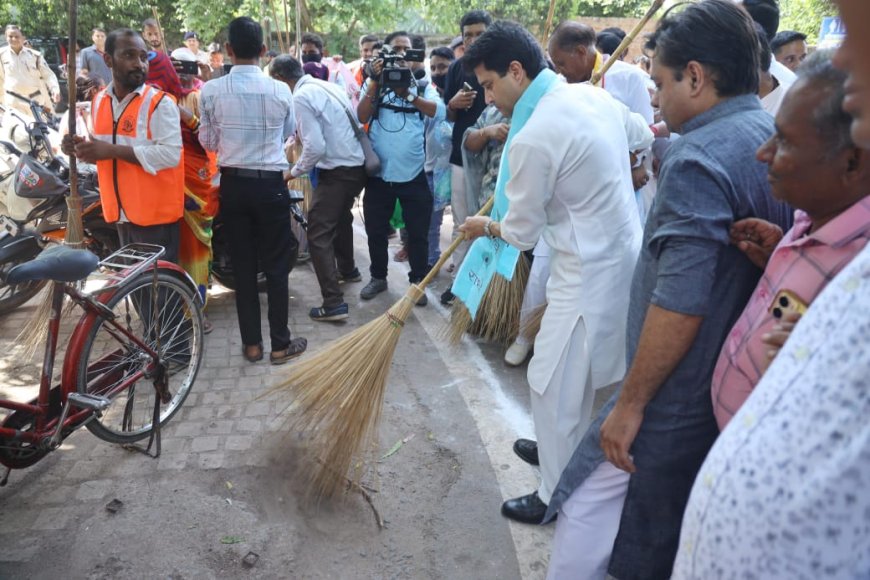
(125, 264)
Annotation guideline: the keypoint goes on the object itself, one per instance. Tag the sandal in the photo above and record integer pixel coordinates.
(296, 347)
(254, 356)
(401, 256)
(207, 326)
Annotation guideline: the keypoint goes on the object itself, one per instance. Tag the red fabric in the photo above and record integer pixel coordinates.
(161, 74)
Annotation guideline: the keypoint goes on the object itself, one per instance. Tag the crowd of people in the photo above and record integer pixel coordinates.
(697, 224)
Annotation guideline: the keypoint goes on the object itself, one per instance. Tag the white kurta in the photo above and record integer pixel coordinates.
(570, 185)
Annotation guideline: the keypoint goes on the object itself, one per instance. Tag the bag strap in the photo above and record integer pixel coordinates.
(353, 123)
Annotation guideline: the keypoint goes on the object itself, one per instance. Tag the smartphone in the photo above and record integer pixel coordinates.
(467, 88)
(189, 67)
(227, 67)
(787, 302)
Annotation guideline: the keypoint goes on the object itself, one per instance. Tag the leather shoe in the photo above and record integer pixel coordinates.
(527, 450)
(527, 509)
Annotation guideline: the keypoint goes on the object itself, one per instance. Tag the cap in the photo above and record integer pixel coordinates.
(456, 42)
(190, 34)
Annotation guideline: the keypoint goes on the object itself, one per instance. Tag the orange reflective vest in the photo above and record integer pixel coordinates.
(146, 199)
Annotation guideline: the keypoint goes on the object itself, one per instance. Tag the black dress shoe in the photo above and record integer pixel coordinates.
(528, 509)
(527, 450)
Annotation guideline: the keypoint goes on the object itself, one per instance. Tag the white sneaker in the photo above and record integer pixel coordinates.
(517, 354)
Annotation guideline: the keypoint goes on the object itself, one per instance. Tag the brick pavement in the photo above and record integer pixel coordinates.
(219, 454)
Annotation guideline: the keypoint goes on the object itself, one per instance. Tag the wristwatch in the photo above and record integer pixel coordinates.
(411, 98)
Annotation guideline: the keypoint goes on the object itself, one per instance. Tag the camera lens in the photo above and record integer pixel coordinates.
(777, 313)
(783, 301)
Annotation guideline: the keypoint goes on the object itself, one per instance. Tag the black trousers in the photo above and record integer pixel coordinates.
(256, 217)
(330, 228)
(378, 206)
(166, 235)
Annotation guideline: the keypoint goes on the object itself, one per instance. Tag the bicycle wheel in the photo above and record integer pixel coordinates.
(14, 295)
(113, 366)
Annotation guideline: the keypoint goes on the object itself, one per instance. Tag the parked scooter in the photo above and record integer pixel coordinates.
(36, 183)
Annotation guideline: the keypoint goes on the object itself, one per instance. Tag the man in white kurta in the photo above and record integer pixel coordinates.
(569, 185)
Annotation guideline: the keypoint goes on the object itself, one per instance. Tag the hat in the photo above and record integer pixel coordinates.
(214, 47)
(190, 34)
(456, 42)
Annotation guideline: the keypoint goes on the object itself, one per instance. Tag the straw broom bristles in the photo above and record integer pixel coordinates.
(530, 327)
(339, 396)
(339, 391)
(35, 332)
(498, 316)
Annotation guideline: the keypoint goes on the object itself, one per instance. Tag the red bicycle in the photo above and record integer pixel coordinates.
(130, 362)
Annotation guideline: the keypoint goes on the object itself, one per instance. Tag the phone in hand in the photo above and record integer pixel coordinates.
(467, 88)
(189, 67)
(787, 302)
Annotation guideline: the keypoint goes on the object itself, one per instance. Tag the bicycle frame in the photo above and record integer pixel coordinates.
(47, 425)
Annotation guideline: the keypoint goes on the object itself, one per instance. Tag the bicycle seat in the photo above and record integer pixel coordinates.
(58, 263)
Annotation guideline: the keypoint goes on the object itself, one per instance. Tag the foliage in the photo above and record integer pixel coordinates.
(340, 21)
(50, 17)
(805, 16)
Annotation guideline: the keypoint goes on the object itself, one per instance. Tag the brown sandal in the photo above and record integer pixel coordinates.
(296, 347)
(254, 356)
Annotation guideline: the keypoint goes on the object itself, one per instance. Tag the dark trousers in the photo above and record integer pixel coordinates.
(330, 228)
(166, 235)
(378, 206)
(256, 217)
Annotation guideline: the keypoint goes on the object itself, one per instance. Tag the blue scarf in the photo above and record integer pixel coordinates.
(488, 257)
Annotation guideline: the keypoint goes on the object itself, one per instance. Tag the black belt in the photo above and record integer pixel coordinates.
(254, 173)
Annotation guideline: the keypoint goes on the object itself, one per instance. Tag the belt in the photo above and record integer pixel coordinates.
(254, 173)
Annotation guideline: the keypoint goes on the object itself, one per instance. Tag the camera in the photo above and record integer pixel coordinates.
(394, 76)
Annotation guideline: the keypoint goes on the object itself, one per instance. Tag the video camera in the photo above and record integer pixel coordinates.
(394, 76)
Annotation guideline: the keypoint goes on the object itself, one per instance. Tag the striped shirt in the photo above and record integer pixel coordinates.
(803, 263)
(246, 117)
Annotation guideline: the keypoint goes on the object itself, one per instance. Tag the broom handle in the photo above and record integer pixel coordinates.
(71, 94)
(159, 28)
(629, 38)
(452, 248)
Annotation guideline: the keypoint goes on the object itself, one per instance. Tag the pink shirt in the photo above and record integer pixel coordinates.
(801, 263)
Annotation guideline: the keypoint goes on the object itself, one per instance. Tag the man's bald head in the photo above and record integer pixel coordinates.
(572, 50)
(571, 34)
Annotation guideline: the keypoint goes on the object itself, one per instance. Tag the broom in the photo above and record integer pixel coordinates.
(35, 332)
(498, 315)
(339, 390)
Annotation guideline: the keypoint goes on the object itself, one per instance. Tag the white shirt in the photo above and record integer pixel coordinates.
(773, 101)
(328, 140)
(783, 494)
(246, 117)
(628, 85)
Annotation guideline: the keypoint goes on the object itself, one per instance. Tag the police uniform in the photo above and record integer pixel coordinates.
(28, 75)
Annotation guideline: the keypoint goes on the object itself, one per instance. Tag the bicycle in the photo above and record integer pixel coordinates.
(141, 324)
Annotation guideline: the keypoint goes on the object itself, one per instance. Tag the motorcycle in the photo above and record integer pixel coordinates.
(36, 183)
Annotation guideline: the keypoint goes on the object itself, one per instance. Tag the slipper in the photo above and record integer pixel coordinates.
(296, 347)
(207, 326)
(401, 255)
(450, 268)
(257, 356)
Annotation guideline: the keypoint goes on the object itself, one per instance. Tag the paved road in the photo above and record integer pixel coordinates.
(228, 469)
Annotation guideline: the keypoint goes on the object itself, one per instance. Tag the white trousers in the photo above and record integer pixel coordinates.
(587, 526)
(535, 294)
(563, 412)
(459, 210)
